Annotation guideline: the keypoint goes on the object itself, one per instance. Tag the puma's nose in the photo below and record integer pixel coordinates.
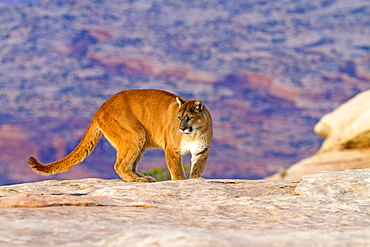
(182, 128)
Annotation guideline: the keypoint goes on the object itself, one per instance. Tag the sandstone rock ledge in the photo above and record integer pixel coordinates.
(325, 209)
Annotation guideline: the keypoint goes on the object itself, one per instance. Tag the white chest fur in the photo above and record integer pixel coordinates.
(192, 146)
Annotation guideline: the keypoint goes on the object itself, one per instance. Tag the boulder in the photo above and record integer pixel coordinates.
(347, 141)
(348, 126)
(98, 212)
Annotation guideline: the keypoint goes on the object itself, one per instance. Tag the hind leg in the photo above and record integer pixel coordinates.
(134, 167)
(129, 143)
(125, 162)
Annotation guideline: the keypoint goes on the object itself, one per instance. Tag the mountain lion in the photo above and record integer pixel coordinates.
(136, 120)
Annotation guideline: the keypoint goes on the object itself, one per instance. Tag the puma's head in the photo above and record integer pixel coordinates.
(191, 116)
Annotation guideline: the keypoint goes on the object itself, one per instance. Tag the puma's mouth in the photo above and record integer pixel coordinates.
(186, 131)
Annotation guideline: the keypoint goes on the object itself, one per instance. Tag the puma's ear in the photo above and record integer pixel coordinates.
(180, 101)
(199, 105)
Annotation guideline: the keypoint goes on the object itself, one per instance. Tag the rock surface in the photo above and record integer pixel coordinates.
(267, 71)
(339, 160)
(326, 209)
(347, 140)
(351, 186)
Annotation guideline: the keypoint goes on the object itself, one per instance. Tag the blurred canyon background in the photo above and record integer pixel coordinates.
(267, 71)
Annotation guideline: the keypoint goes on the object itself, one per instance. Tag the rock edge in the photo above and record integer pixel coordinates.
(329, 208)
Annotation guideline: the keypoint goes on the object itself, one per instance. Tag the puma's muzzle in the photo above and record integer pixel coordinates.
(186, 130)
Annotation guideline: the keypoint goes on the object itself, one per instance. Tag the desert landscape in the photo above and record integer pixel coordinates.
(288, 86)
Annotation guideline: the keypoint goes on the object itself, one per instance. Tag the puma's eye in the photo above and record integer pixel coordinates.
(189, 118)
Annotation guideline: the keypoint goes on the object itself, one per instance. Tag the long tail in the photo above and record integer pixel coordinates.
(83, 149)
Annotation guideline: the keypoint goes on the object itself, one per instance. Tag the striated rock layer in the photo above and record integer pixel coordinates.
(326, 209)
